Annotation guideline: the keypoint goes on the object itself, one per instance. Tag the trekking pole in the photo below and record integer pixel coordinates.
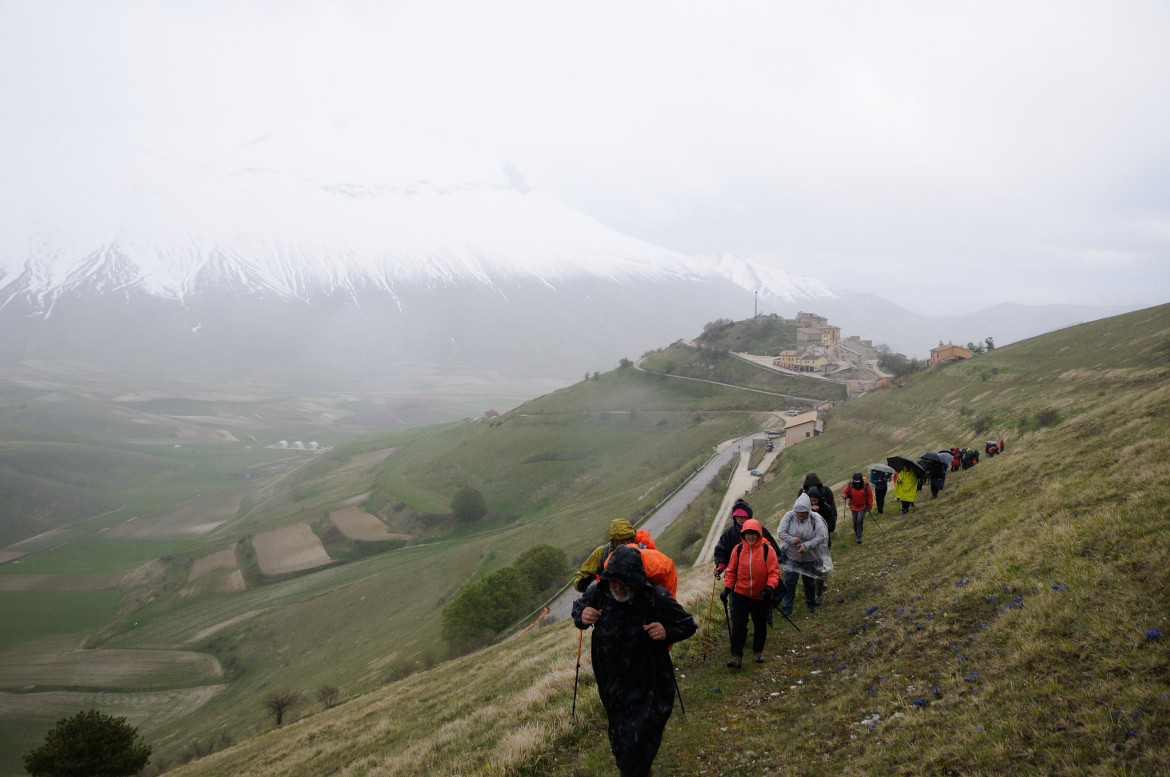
(789, 620)
(576, 674)
(710, 610)
(682, 706)
(727, 616)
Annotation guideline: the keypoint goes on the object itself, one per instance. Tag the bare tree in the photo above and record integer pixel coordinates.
(279, 702)
(328, 695)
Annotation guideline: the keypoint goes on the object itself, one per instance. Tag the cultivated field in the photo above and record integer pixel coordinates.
(290, 549)
(96, 669)
(357, 524)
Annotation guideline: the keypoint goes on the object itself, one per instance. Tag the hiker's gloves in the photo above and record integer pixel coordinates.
(723, 596)
(719, 570)
(766, 594)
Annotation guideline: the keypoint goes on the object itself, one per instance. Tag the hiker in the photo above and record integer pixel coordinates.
(824, 505)
(658, 566)
(858, 496)
(814, 495)
(740, 512)
(803, 539)
(880, 481)
(633, 623)
(1001, 445)
(753, 574)
(937, 472)
(906, 487)
(956, 458)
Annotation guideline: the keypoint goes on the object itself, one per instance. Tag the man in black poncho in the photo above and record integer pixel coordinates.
(634, 622)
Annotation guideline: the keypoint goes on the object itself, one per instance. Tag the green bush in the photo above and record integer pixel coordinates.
(89, 743)
(489, 605)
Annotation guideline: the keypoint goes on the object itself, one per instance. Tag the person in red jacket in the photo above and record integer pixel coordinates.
(752, 574)
(858, 496)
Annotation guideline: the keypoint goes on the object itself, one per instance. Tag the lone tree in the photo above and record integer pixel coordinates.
(279, 702)
(89, 743)
(328, 695)
(468, 505)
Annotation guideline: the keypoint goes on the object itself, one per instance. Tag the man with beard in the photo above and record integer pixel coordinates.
(634, 623)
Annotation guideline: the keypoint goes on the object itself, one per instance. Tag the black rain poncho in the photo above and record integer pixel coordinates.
(635, 676)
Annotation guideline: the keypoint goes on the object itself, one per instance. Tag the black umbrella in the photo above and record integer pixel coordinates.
(898, 462)
(934, 457)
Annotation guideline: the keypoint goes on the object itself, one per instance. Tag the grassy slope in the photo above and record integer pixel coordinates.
(712, 365)
(1012, 626)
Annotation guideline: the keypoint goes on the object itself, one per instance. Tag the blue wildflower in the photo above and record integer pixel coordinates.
(1059, 587)
(971, 677)
(871, 610)
(1154, 634)
(920, 702)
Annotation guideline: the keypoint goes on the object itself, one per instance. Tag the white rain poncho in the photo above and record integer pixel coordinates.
(813, 532)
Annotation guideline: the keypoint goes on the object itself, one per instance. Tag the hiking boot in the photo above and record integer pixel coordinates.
(787, 613)
(735, 663)
(759, 658)
(858, 539)
(819, 601)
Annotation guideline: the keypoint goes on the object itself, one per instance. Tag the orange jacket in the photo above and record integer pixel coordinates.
(643, 538)
(659, 568)
(752, 567)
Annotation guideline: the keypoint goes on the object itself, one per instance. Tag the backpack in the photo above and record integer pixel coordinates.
(658, 566)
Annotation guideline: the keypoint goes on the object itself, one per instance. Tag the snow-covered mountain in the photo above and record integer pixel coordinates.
(259, 267)
(266, 264)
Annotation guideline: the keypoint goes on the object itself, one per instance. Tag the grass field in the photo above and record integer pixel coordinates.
(1014, 625)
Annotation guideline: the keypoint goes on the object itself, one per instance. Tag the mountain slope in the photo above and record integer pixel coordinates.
(1014, 625)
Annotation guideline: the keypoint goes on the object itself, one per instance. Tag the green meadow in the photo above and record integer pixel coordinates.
(192, 480)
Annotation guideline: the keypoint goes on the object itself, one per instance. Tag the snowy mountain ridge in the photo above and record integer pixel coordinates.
(176, 229)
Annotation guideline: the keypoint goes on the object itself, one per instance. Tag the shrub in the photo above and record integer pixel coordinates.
(1047, 417)
(89, 743)
(468, 505)
(981, 424)
(489, 605)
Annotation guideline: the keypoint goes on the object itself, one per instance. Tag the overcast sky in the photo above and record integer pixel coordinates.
(945, 155)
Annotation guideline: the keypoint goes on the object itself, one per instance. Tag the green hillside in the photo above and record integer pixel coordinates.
(1014, 625)
(718, 367)
(556, 469)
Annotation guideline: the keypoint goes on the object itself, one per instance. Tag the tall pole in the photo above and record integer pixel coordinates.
(756, 310)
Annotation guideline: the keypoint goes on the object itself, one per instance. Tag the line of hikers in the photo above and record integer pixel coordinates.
(628, 590)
